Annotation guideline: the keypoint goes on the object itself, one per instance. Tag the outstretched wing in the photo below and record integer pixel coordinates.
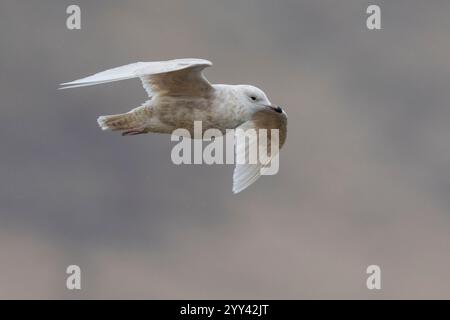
(174, 77)
(251, 143)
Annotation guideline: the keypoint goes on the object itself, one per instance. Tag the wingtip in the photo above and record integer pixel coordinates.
(237, 190)
(66, 85)
(70, 85)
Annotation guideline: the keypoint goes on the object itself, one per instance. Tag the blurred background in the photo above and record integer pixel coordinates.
(364, 176)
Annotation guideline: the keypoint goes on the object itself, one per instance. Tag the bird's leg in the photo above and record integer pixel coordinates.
(134, 132)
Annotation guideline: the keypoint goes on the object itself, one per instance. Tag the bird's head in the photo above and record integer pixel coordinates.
(256, 100)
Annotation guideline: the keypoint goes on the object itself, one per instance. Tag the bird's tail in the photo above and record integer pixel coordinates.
(124, 121)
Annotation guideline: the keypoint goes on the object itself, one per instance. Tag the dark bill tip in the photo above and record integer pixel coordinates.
(278, 109)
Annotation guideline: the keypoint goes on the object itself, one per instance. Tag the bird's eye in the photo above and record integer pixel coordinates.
(253, 98)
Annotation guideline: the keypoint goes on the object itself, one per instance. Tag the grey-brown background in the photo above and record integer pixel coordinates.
(364, 175)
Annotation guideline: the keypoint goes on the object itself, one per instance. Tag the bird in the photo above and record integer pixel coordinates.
(179, 94)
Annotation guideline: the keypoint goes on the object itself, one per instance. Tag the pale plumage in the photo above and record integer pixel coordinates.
(179, 94)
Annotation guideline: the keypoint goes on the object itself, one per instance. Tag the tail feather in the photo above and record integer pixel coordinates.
(125, 121)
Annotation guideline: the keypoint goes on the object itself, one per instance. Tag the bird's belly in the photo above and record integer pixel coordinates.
(183, 113)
